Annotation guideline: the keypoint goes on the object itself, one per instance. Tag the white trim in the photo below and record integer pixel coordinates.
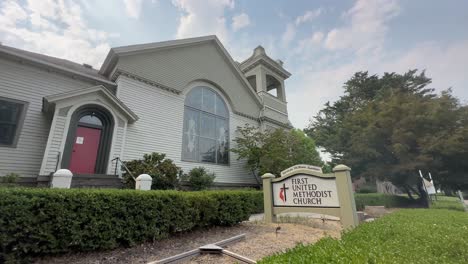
(94, 89)
(278, 111)
(49, 142)
(219, 91)
(72, 110)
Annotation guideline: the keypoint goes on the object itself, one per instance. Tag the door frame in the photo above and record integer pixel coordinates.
(105, 141)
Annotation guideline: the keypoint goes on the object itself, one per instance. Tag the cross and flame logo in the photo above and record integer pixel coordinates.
(282, 194)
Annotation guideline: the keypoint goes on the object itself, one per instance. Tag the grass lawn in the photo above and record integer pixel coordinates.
(406, 236)
(447, 202)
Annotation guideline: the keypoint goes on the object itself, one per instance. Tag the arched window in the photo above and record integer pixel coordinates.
(206, 127)
(91, 119)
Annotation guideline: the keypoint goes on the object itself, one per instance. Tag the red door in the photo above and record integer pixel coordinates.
(85, 150)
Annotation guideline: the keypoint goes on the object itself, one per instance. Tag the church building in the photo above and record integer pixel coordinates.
(184, 98)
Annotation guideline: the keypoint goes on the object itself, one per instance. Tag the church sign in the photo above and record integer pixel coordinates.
(304, 188)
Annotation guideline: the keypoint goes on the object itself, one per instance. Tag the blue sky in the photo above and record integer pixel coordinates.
(321, 42)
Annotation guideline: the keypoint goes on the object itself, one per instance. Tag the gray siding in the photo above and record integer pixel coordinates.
(26, 83)
(160, 126)
(177, 67)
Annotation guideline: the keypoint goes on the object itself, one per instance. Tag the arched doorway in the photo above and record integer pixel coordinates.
(89, 140)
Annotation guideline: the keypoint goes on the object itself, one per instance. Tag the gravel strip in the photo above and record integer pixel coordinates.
(261, 240)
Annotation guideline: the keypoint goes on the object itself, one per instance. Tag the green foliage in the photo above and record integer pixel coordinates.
(9, 179)
(276, 150)
(389, 127)
(48, 221)
(165, 173)
(199, 179)
(375, 199)
(406, 236)
(366, 190)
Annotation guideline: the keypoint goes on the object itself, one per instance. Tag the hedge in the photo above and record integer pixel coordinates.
(406, 236)
(389, 201)
(48, 221)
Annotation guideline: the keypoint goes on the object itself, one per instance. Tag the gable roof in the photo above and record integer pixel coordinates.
(55, 63)
(115, 53)
(50, 100)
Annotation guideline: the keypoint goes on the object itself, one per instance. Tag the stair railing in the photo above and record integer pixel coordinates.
(122, 165)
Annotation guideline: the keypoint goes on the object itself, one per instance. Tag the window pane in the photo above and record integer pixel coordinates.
(208, 100)
(90, 119)
(194, 98)
(221, 107)
(190, 135)
(7, 134)
(207, 149)
(222, 140)
(9, 112)
(207, 126)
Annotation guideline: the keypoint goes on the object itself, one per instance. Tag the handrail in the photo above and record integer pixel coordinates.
(117, 159)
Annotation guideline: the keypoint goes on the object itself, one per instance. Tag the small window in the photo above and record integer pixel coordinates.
(90, 120)
(206, 127)
(11, 118)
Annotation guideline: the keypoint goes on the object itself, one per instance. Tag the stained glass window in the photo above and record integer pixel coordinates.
(206, 127)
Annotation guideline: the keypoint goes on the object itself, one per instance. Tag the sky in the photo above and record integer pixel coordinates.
(322, 43)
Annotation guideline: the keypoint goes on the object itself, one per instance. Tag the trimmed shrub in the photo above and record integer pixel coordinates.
(165, 173)
(9, 180)
(199, 179)
(406, 236)
(373, 199)
(49, 221)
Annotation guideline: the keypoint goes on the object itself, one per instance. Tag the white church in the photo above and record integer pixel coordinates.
(184, 98)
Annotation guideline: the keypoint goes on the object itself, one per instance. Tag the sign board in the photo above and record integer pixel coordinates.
(304, 188)
(429, 186)
(301, 166)
(79, 140)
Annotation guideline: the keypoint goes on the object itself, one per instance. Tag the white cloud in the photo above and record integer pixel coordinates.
(367, 26)
(57, 29)
(133, 8)
(11, 12)
(289, 34)
(240, 21)
(203, 18)
(317, 37)
(308, 16)
(319, 73)
(322, 82)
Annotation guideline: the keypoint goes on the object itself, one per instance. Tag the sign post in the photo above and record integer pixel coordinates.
(304, 188)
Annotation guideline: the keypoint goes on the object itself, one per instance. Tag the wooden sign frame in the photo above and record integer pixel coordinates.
(344, 208)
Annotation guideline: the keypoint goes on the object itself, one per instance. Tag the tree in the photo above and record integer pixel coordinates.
(390, 127)
(274, 151)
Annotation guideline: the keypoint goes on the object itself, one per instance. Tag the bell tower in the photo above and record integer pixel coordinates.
(267, 77)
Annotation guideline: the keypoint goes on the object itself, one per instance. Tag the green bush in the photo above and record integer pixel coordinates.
(165, 173)
(406, 236)
(366, 190)
(9, 180)
(49, 221)
(199, 179)
(374, 199)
